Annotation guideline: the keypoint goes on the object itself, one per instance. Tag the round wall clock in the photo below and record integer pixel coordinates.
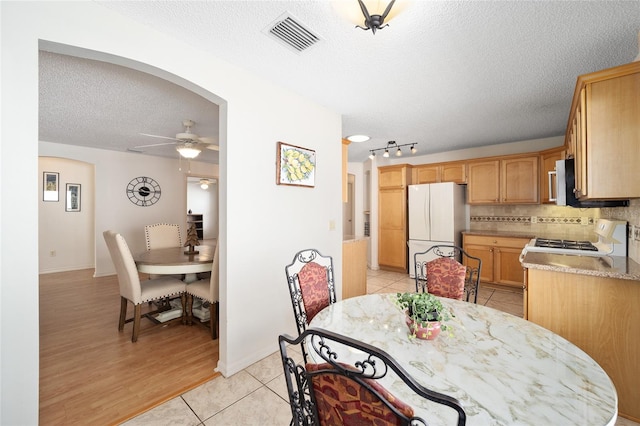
(143, 191)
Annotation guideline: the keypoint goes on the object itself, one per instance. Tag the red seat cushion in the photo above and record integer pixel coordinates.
(315, 289)
(342, 401)
(445, 278)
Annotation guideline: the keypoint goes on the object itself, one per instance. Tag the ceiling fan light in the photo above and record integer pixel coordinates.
(188, 151)
(204, 183)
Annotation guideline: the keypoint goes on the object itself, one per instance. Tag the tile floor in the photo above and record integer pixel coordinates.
(258, 396)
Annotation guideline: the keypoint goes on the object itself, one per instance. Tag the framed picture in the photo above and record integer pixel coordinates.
(295, 165)
(73, 197)
(50, 186)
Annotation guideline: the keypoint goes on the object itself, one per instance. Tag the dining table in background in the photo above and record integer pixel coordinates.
(503, 369)
(174, 260)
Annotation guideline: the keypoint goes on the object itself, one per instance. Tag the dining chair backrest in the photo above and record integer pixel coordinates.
(311, 285)
(162, 235)
(343, 387)
(128, 278)
(214, 290)
(448, 271)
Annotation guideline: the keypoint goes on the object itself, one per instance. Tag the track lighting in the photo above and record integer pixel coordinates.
(392, 144)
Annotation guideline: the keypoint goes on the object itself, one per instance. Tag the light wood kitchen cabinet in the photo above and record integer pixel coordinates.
(354, 267)
(503, 180)
(500, 258)
(600, 315)
(548, 180)
(603, 133)
(440, 172)
(393, 227)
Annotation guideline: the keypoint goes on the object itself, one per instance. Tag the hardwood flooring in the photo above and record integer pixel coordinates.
(92, 374)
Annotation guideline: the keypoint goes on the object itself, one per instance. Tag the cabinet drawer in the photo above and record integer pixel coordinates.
(487, 240)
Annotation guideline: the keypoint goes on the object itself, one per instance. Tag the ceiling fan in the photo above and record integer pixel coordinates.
(188, 144)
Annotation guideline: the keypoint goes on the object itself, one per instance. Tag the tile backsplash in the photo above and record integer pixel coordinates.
(554, 221)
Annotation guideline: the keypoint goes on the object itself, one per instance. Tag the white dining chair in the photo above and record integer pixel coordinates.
(132, 289)
(208, 290)
(162, 235)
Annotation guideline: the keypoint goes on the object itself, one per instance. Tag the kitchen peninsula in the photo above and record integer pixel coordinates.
(594, 302)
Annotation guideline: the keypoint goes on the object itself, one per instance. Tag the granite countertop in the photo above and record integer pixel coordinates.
(606, 266)
(501, 234)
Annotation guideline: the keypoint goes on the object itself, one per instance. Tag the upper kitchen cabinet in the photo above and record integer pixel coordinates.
(548, 160)
(503, 180)
(603, 133)
(441, 172)
(393, 225)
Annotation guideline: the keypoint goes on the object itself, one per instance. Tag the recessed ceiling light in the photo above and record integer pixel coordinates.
(358, 138)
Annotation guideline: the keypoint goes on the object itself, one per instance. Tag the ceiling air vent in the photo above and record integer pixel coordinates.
(290, 32)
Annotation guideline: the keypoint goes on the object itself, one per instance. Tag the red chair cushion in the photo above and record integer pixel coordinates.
(342, 401)
(314, 287)
(445, 278)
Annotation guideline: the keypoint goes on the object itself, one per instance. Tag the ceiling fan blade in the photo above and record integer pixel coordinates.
(213, 147)
(155, 144)
(161, 137)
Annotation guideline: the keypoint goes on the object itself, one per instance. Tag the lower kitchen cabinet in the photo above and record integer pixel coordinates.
(354, 267)
(600, 315)
(500, 258)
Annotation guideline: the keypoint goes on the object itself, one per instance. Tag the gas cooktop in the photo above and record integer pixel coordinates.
(565, 244)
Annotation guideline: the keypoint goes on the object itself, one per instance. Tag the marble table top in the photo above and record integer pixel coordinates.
(503, 369)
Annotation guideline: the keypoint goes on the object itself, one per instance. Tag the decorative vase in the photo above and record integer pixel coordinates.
(428, 332)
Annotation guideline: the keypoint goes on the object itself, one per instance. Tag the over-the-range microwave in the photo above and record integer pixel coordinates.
(562, 183)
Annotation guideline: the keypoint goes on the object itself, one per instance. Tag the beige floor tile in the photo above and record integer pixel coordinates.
(511, 308)
(173, 412)
(267, 368)
(279, 386)
(404, 286)
(624, 422)
(262, 407)
(507, 297)
(373, 287)
(219, 393)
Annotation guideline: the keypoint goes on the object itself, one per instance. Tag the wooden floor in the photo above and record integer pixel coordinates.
(92, 374)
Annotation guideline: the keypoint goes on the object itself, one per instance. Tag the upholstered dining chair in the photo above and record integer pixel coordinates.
(311, 286)
(337, 390)
(208, 290)
(439, 271)
(162, 235)
(132, 289)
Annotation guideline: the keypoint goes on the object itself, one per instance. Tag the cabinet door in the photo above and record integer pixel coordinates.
(484, 182)
(392, 235)
(548, 164)
(508, 269)
(485, 253)
(613, 138)
(392, 177)
(519, 180)
(456, 172)
(427, 174)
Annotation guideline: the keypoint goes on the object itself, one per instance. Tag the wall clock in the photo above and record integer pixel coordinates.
(143, 191)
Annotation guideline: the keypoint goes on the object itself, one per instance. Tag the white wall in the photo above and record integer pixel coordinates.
(66, 239)
(260, 222)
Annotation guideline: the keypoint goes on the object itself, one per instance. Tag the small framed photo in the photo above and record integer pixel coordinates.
(73, 197)
(295, 165)
(50, 186)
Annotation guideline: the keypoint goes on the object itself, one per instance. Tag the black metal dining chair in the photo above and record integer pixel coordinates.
(311, 286)
(448, 271)
(337, 391)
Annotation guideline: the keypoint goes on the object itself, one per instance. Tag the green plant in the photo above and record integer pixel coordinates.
(423, 308)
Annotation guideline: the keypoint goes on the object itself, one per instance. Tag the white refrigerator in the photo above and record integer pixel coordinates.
(438, 214)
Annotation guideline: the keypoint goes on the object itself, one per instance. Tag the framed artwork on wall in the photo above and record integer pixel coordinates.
(295, 165)
(50, 186)
(73, 197)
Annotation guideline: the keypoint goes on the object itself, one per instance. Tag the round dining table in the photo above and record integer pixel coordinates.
(174, 260)
(503, 369)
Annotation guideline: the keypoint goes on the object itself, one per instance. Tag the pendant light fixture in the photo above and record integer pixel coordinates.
(393, 144)
(375, 21)
(188, 150)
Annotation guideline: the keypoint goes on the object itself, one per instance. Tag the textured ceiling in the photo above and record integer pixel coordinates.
(445, 74)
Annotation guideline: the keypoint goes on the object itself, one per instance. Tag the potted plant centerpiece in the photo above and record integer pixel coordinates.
(425, 314)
